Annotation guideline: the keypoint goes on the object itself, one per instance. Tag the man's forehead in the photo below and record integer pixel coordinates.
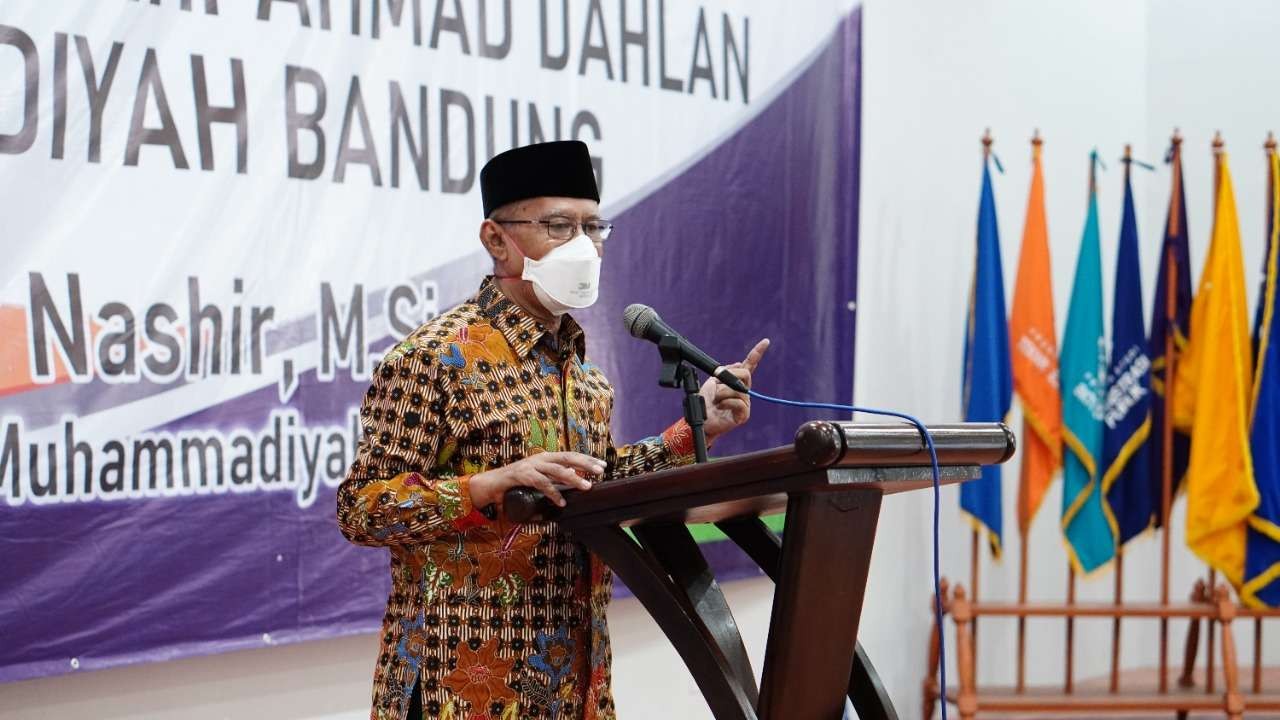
(561, 205)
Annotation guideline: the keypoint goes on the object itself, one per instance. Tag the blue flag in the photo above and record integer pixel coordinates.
(1085, 520)
(1169, 323)
(988, 377)
(1262, 539)
(1127, 420)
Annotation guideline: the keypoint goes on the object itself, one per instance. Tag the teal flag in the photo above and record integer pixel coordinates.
(988, 377)
(1127, 422)
(1086, 521)
(1262, 538)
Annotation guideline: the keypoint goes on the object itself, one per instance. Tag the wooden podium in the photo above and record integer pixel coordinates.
(830, 483)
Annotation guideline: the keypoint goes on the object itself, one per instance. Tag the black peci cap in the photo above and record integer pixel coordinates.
(553, 169)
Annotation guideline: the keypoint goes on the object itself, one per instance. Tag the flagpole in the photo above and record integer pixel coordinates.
(1069, 680)
(1166, 419)
(1119, 584)
(975, 546)
(1218, 149)
(1069, 683)
(1023, 528)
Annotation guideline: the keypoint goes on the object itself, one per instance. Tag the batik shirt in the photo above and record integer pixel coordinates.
(488, 619)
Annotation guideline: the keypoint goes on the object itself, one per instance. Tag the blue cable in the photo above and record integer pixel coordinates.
(937, 491)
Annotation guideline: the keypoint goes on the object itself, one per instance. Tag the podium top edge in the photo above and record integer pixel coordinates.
(827, 443)
(820, 447)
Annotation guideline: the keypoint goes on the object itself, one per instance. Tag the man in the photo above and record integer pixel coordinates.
(488, 619)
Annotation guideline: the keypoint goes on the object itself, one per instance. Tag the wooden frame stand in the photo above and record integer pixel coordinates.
(1210, 604)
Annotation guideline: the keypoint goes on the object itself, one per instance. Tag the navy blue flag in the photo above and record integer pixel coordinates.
(1127, 419)
(1262, 540)
(1165, 325)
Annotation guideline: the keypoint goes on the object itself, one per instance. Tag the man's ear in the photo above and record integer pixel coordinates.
(491, 239)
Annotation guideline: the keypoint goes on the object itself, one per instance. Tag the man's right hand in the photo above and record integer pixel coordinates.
(542, 472)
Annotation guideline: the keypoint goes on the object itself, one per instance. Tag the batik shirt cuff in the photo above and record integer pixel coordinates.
(465, 515)
(679, 440)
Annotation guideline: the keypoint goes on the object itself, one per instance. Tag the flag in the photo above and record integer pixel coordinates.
(1127, 418)
(1164, 324)
(1221, 493)
(1088, 530)
(988, 381)
(1259, 312)
(1262, 538)
(1035, 356)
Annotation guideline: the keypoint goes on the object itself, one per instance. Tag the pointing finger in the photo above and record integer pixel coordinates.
(757, 352)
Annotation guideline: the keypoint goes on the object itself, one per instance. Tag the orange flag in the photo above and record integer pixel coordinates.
(1035, 356)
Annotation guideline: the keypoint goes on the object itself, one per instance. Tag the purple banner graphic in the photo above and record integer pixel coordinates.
(754, 237)
(757, 239)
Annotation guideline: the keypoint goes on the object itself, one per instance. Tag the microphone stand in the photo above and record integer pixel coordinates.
(676, 374)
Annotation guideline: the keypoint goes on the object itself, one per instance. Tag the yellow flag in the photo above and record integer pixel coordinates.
(1221, 492)
(1035, 356)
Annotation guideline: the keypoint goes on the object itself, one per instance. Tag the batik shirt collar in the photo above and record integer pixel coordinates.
(522, 331)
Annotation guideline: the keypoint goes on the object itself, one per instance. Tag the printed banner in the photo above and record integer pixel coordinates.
(218, 215)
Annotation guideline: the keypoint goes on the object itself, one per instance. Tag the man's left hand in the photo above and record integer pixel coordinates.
(727, 408)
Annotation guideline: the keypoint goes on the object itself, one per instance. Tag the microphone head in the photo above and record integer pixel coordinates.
(638, 318)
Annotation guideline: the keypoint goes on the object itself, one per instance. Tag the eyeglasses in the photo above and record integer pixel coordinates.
(562, 228)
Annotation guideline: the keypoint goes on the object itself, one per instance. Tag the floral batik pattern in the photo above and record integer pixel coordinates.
(486, 618)
(555, 662)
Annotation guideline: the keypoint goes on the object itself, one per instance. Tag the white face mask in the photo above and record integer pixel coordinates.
(567, 278)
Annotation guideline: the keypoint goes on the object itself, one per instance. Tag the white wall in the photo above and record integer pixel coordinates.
(1212, 71)
(938, 73)
(1088, 73)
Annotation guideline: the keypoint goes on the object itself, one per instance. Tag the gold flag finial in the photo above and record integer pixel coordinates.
(1270, 144)
(986, 141)
(1219, 156)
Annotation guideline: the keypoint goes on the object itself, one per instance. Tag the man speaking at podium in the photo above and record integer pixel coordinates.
(487, 619)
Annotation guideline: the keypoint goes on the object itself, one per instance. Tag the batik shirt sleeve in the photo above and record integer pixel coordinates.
(402, 488)
(673, 448)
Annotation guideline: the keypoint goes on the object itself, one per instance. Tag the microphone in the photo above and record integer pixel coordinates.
(644, 323)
